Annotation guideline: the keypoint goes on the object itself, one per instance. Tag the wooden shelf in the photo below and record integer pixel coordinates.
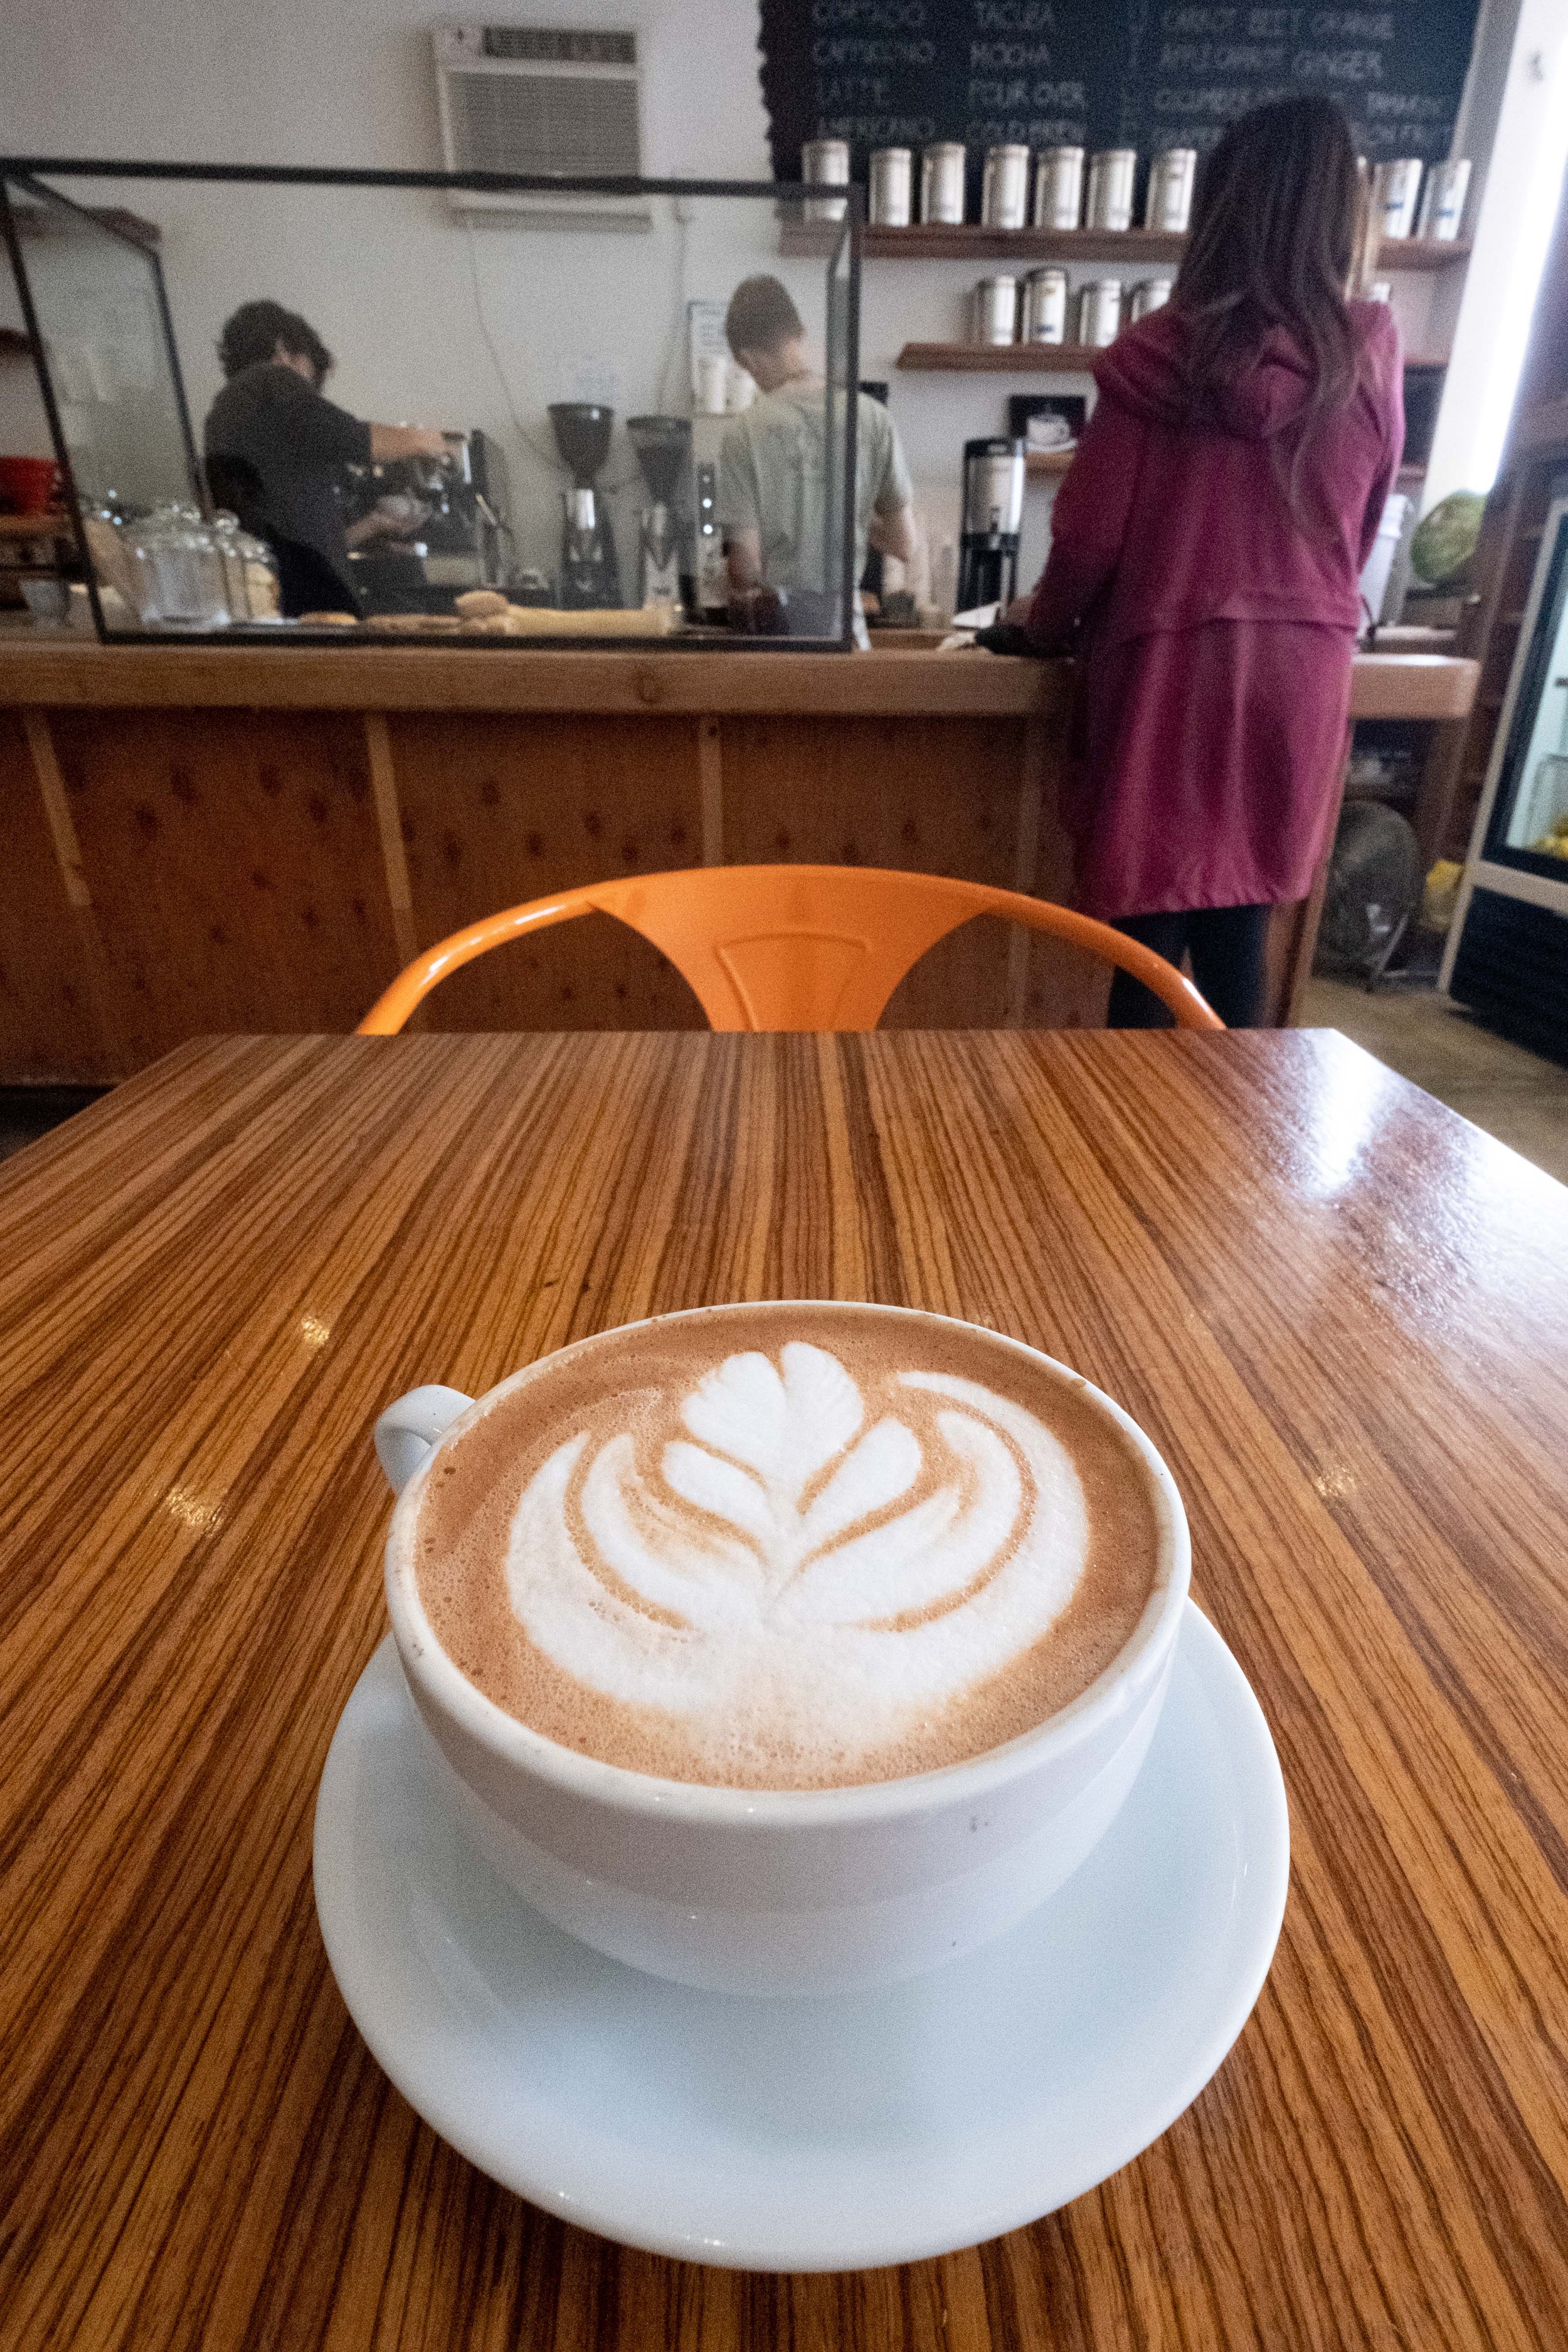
(1001, 359)
(1040, 359)
(970, 242)
(21, 529)
(1045, 464)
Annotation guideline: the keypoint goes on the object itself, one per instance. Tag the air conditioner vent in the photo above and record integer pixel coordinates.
(552, 124)
(543, 102)
(542, 45)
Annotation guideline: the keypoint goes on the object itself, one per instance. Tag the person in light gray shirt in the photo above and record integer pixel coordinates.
(774, 478)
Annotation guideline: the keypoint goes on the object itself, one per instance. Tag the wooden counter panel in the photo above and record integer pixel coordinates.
(940, 798)
(446, 678)
(51, 1028)
(495, 812)
(233, 868)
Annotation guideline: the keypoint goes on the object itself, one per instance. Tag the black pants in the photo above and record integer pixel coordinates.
(1226, 947)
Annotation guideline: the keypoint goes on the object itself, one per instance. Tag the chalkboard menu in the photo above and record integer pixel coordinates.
(1101, 73)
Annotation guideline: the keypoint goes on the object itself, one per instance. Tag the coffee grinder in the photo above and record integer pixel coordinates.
(663, 445)
(993, 511)
(589, 578)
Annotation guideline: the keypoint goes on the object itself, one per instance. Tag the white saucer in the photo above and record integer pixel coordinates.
(823, 2134)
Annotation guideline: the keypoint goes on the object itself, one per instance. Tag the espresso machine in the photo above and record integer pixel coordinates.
(451, 534)
(663, 445)
(590, 581)
(993, 512)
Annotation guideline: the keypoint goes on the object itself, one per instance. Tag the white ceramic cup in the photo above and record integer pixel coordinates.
(787, 1891)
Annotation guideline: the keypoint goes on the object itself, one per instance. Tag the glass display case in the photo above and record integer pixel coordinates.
(1507, 955)
(298, 405)
(1528, 821)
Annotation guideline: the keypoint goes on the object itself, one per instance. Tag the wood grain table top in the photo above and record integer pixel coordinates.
(1341, 1312)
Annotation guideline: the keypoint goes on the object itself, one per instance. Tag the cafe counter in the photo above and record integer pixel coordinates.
(203, 838)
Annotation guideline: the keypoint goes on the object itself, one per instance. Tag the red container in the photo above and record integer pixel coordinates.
(29, 485)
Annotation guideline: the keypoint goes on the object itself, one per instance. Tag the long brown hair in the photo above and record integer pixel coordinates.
(1278, 227)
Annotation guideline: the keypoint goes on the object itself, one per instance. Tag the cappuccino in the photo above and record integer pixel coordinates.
(786, 1547)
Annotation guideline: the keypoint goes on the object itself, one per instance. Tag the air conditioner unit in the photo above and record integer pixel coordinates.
(544, 102)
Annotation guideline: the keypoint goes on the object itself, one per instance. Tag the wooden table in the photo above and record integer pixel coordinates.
(1342, 1314)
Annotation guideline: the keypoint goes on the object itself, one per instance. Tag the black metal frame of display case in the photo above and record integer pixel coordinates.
(27, 171)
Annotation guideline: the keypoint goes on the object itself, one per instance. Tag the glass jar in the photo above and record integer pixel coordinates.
(263, 596)
(227, 537)
(180, 571)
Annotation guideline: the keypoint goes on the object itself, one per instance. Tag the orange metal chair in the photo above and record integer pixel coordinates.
(790, 947)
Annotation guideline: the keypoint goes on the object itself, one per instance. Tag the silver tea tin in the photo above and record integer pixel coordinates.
(1005, 188)
(824, 163)
(1045, 319)
(1169, 203)
(942, 167)
(1148, 294)
(1100, 312)
(1395, 186)
(1058, 187)
(995, 310)
(1443, 199)
(890, 194)
(1110, 176)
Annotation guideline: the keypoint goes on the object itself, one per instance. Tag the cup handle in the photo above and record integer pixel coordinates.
(408, 1429)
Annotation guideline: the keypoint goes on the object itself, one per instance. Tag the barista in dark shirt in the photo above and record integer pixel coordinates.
(276, 448)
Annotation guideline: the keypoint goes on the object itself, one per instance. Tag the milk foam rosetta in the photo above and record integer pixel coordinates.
(787, 1565)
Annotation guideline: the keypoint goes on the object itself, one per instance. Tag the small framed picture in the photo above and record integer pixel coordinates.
(1051, 420)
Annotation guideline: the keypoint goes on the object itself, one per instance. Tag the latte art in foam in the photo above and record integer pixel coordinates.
(783, 1555)
(785, 1547)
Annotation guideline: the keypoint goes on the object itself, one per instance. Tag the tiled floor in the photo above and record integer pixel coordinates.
(1514, 1094)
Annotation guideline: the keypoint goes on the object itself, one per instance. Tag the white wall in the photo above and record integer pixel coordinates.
(1527, 92)
(390, 280)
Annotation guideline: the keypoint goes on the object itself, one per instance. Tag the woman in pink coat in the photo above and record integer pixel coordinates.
(1206, 551)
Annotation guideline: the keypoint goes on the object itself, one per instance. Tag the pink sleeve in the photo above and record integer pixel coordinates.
(1391, 396)
(1088, 521)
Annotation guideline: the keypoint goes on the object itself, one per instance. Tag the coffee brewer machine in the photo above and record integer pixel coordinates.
(663, 445)
(993, 511)
(590, 581)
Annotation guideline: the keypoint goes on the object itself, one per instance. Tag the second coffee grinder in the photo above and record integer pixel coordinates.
(590, 581)
(663, 445)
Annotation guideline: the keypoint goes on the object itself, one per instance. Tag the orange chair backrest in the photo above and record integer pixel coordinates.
(791, 946)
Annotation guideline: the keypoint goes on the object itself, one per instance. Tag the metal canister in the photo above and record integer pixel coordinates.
(824, 163)
(1100, 312)
(1044, 306)
(1110, 176)
(995, 310)
(942, 167)
(1169, 203)
(1148, 294)
(1443, 198)
(1005, 188)
(1394, 192)
(1058, 187)
(889, 188)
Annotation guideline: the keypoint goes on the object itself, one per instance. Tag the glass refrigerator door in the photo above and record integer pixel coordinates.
(1530, 818)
